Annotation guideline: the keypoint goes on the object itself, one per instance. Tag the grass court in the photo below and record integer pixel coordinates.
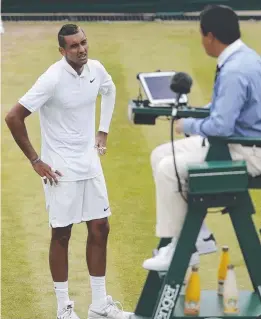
(125, 49)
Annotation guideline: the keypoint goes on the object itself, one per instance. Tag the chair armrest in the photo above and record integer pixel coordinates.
(195, 112)
(246, 141)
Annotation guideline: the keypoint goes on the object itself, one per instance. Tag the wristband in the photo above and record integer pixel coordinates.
(35, 160)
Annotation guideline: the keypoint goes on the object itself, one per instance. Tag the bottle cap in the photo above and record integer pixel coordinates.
(194, 268)
(225, 248)
(230, 267)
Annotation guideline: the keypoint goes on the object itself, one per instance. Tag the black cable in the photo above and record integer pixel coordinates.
(139, 98)
(174, 159)
(176, 170)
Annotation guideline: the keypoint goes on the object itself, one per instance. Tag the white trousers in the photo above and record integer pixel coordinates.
(170, 207)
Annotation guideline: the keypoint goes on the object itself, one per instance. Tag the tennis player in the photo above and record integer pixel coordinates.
(69, 164)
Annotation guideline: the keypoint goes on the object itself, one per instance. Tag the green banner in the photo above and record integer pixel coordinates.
(119, 6)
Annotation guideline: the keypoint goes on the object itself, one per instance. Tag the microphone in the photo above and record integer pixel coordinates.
(180, 84)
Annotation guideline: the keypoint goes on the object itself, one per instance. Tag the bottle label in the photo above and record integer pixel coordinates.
(191, 307)
(231, 305)
(220, 287)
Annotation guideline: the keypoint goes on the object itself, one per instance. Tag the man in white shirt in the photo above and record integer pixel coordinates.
(74, 185)
(234, 111)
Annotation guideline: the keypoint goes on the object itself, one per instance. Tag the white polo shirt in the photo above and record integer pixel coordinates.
(66, 103)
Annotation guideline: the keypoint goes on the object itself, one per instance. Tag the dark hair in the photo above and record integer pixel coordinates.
(67, 29)
(222, 22)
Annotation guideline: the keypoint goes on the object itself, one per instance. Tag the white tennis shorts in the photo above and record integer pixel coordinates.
(74, 202)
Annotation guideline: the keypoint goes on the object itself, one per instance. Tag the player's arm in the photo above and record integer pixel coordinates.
(108, 96)
(15, 120)
(231, 97)
(32, 101)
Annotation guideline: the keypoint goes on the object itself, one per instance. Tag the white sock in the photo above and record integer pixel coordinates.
(62, 295)
(204, 231)
(98, 292)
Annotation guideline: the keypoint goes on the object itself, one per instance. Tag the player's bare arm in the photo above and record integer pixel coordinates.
(15, 120)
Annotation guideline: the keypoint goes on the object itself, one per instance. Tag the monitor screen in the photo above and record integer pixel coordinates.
(160, 87)
(157, 87)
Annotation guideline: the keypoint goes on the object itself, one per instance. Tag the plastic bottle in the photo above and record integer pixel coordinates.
(230, 294)
(222, 270)
(192, 295)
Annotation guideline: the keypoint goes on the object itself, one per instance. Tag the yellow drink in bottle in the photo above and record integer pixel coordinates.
(222, 270)
(192, 296)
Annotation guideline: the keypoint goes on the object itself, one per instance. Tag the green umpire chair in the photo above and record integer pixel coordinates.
(219, 182)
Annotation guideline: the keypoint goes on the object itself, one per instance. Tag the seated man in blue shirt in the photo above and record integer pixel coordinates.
(235, 109)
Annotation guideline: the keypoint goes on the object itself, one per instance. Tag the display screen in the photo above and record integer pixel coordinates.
(159, 87)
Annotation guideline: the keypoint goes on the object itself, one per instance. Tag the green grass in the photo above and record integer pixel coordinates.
(124, 49)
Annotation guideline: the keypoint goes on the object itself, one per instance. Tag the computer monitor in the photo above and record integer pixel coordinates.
(156, 85)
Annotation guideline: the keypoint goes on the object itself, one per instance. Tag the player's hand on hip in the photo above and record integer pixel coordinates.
(46, 172)
(101, 142)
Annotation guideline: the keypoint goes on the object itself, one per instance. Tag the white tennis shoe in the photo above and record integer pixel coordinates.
(67, 312)
(204, 246)
(162, 260)
(109, 311)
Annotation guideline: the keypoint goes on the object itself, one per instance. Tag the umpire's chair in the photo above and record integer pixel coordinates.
(219, 182)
